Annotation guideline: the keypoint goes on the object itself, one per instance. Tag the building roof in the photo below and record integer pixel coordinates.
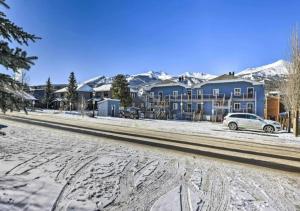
(80, 88)
(103, 88)
(62, 90)
(227, 81)
(108, 99)
(167, 84)
(25, 95)
(225, 77)
(84, 88)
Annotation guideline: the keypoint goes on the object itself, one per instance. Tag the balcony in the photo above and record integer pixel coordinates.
(200, 98)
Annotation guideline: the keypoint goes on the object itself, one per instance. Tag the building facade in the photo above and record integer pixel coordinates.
(210, 100)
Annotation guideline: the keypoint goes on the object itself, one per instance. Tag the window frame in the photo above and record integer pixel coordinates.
(151, 94)
(216, 94)
(175, 106)
(175, 95)
(237, 93)
(234, 104)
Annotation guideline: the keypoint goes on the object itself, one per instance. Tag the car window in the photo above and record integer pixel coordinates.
(252, 117)
(242, 116)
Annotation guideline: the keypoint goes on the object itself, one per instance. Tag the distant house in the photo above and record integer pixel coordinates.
(103, 91)
(84, 94)
(217, 97)
(162, 100)
(209, 100)
(38, 91)
(108, 107)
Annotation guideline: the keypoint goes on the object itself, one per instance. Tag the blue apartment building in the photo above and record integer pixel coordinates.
(210, 100)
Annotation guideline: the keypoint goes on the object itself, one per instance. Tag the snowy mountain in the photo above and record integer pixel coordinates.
(270, 74)
(276, 69)
(199, 75)
(150, 77)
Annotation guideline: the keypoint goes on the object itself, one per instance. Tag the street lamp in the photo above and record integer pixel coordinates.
(33, 102)
(94, 101)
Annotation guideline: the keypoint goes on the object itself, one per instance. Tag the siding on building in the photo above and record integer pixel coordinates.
(109, 107)
(200, 101)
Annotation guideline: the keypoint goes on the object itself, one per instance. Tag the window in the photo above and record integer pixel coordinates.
(189, 107)
(151, 94)
(175, 94)
(243, 116)
(237, 91)
(250, 92)
(160, 95)
(252, 117)
(237, 106)
(189, 93)
(215, 92)
(175, 106)
(250, 107)
(199, 93)
(199, 106)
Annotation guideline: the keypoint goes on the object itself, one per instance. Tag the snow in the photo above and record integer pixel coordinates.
(152, 74)
(103, 88)
(80, 88)
(199, 75)
(279, 67)
(47, 169)
(84, 88)
(92, 80)
(206, 128)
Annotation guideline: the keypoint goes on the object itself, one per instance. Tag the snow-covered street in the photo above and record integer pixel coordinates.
(47, 169)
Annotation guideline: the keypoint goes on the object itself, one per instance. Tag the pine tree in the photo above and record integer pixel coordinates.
(120, 90)
(13, 58)
(71, 90)
(49, 94)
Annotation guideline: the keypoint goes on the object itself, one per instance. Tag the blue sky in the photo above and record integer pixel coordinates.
(97, 37)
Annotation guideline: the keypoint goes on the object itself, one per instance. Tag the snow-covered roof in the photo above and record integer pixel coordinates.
(84, 88)
(62, 90)
(80, 88)
(167, 85)
(103, 88)
(25, 95)
(227, 81)
(108, 99)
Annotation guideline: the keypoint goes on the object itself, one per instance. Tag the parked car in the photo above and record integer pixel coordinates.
(237, 121)
(131, 112)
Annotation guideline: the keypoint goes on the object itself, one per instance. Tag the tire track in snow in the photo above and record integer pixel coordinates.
(20, 164)
(69, 182)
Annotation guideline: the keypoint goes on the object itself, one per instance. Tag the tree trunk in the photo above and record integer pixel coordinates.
(289, 121)
(295, 125)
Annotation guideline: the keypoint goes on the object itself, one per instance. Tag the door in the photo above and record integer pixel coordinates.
(250, 92)
(160, 95)
(113, 111)
(250, 107)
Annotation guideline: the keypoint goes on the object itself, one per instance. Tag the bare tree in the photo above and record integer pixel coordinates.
(291, 87)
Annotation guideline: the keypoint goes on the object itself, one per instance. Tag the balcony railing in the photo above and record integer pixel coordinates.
(203, 97)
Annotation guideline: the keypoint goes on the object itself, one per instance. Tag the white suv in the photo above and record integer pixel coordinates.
(236, 121)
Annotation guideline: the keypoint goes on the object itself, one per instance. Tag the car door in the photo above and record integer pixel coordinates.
(241, 120)
(254, 122)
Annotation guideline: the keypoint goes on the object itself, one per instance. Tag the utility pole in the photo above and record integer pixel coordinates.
(94, 94)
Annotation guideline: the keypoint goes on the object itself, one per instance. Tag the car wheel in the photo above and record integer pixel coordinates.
(269, 129)
(232, 126)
